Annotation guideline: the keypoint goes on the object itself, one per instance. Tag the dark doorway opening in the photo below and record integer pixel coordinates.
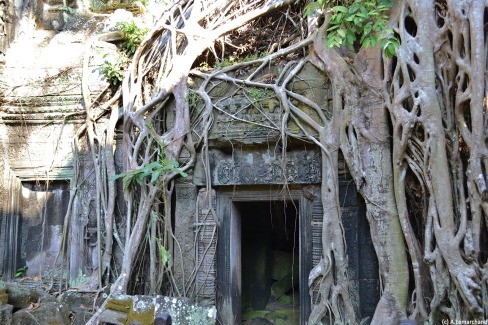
(270, 259)
(43, 208)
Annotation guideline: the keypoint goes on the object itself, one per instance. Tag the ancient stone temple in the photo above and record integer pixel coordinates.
(249, 247)
(259, 252)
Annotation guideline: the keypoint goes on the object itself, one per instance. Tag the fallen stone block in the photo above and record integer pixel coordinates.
(51, 313)
(6, 314)
(143, 310)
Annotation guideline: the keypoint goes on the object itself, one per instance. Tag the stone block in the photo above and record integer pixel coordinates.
(184, 312)
(75, 299)
(6, 314)
(142, 310)
(21, 296)
(80, 316)
(51, 313)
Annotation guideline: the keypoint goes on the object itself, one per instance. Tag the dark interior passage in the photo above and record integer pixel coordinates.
(270, 262)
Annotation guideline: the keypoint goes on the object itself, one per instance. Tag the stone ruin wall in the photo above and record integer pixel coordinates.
(40, 113)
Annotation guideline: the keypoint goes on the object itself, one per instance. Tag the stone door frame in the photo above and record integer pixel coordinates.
(228, 266)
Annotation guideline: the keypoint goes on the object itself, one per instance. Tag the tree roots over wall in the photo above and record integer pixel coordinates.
(412, 129)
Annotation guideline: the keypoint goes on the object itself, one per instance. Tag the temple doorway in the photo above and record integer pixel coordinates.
(264, 255)
(270, 258)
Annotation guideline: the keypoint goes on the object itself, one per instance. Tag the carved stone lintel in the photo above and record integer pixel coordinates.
(261, 167)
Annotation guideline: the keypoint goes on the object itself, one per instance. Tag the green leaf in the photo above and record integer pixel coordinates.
(350, 38)
(367, 29)
(340, 9)
(164, 254)
(336, 19)
(386, 3)
(331, 42)
(155, 175)
(150, 166)
(139, 178)
(353, 8)
(364, 11)
(373, 40)
(113, 178)
(366, 42)
(341, 33)
(172, 163)
(333, 28)
(390, 51)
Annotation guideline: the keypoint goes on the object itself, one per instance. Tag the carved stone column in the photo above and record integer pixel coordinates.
(184, 248)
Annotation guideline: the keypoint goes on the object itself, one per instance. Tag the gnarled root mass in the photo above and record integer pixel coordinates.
(412, 129)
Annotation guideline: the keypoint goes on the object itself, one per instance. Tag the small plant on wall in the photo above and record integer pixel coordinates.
(133, 36)
(114, 66)
(21, 271)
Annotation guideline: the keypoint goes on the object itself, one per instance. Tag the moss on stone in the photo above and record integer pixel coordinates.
(135, 7)
(142, 312)
(145, 317)
(121, 303)
(3, 298)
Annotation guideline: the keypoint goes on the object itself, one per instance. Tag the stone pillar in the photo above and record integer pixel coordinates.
(9, 209)
(184, 249)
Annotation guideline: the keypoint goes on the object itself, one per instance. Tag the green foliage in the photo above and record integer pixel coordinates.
(362, 22)
(67, 11)
(21, 271)
(257, 94)
(193, 99)
(162, 250)
(153, 171)
(204, 66)
(133, 36)
(114, 66)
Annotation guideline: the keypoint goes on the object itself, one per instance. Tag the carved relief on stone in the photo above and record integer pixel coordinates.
(253, 115)
(312, 170)
(52, 13)
(250, 120)
(260, 166)
(226, 173)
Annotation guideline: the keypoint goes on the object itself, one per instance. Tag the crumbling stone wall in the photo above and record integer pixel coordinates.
(41, 112)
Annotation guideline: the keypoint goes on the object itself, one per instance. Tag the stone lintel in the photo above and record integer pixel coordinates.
(260, 167)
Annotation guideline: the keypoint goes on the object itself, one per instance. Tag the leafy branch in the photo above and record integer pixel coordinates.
(363, 22)
(133, 36)
(113, 67)
(154, 170)
(21, 271)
